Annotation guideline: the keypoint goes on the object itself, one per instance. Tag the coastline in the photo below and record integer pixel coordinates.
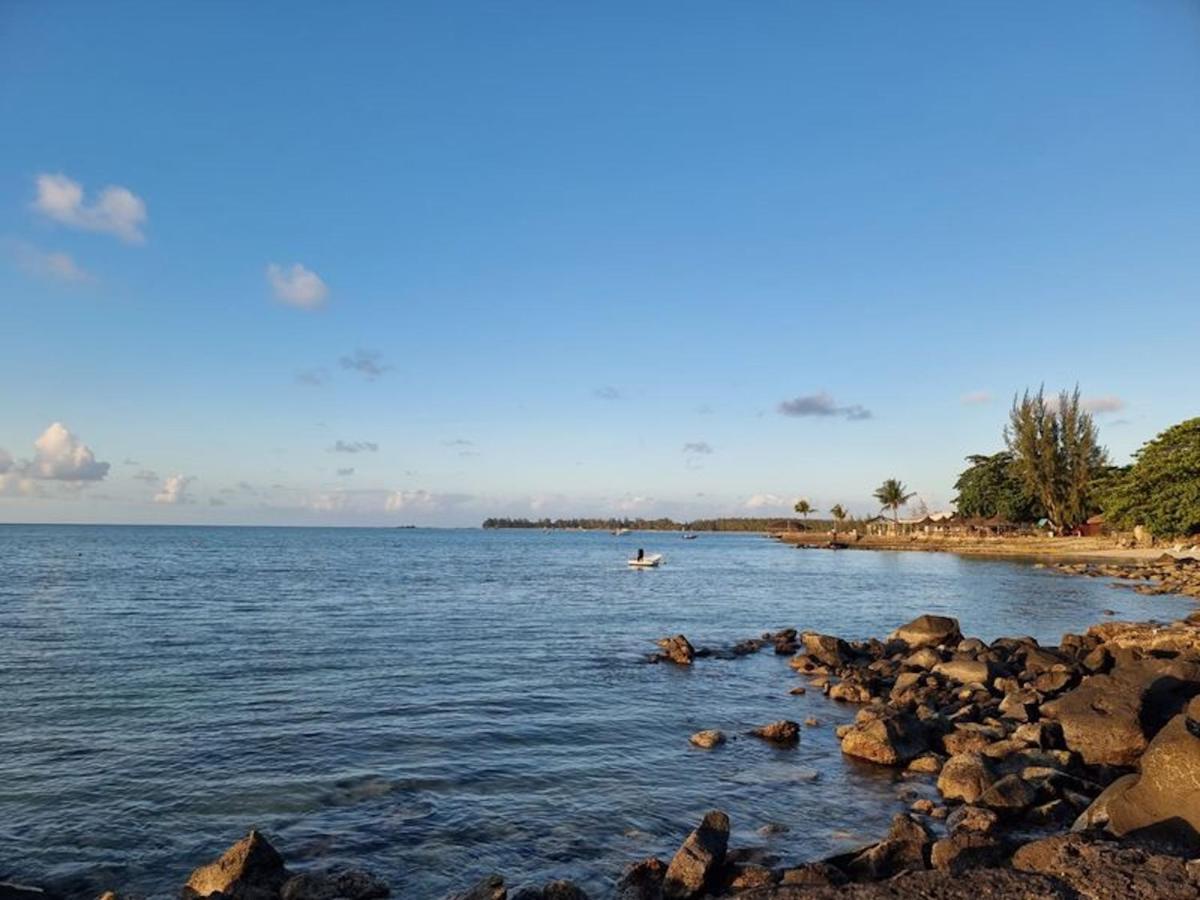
(1041, 548)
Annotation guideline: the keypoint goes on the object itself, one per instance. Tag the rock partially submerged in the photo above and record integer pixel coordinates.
(249, 870)
(785, 731)
(697, 866)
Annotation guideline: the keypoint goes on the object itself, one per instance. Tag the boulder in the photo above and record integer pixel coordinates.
(814, 874)
(826, 649)
(890, 740)
(489, 888)
(1104, 870)
(1109, 719)
(642, 880)
(696, 867)
(677, 649)
(249, 870)
(707, 739)
(966, 671)
(1010, 795)
(965, 777)
(922, 660)
(973, 818)
(928, 631)
(785, 731)
(964, 850)
(850, 691)
(555, 890)
(1163, 801)
(348, 884)
(905, 849)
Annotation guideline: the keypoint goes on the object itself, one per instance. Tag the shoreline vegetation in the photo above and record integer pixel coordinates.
(1065, 771)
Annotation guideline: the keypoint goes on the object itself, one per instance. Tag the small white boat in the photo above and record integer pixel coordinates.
(621, 532)
(649, 561)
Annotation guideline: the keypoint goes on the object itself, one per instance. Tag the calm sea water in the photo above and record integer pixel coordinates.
(437, 705)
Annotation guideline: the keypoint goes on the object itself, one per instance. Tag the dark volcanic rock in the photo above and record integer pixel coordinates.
(928, 631)
(965, 777)
(905, 849)
(1104, 870)
(349, 884)
(1164, 800)
(785, 731)
(964, 850)
(1109, 719)
(642, 880)
(555, 890)
(489, 888)
(677, 649)
(891, 740)
(973, 885)
(696, 867)
(249, 870)
(826, 649)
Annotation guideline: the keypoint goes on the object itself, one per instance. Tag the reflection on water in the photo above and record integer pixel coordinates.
(436, 705)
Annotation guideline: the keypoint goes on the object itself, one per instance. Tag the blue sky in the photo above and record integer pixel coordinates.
(543, 259)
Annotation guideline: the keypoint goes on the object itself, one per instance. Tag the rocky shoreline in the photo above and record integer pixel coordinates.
(1068, 771)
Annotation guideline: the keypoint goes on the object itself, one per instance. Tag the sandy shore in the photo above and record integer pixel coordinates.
(1094, 548)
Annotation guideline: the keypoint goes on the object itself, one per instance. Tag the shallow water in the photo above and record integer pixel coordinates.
(437, 705)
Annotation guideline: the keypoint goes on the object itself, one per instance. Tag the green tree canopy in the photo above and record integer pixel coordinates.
(990, 487)
(1162, 488)
(1056, 455)
(893, 494)
(839, 513)
(804, 508)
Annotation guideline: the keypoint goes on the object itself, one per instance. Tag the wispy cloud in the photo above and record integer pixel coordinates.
(821, 405)
(174, 491)
(48, 265)
(607, 392)
(458, 442)
(297, 286)
(354, 447)
(1101, 405)
(115, 210)
(146, 475)
(976, 398)
(312, 377)
(367, 363)
(702, 448)
(345, 473)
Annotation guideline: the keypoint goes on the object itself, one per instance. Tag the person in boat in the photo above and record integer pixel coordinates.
(641, 554)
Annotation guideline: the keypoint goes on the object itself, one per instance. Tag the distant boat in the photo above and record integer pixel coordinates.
(649, 561)
(620, 532)
(689, 537)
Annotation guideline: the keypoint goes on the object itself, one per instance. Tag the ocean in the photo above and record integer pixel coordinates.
(436, 705)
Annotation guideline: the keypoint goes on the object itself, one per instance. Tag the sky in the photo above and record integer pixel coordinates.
(422, 263)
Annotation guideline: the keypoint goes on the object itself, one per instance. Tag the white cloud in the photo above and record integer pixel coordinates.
(703, 448)
(297, 286)
(422, 500)
(115, 210)
(765, 501)
(1098, 405)
(174, 490)
(60, 456)
(6, 461)
(976, 398)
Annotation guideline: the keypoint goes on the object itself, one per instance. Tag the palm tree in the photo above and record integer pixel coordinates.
(839, 516)
(803, 507)
(892, 494)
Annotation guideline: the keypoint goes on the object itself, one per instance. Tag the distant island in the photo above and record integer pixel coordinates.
(724, 524)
